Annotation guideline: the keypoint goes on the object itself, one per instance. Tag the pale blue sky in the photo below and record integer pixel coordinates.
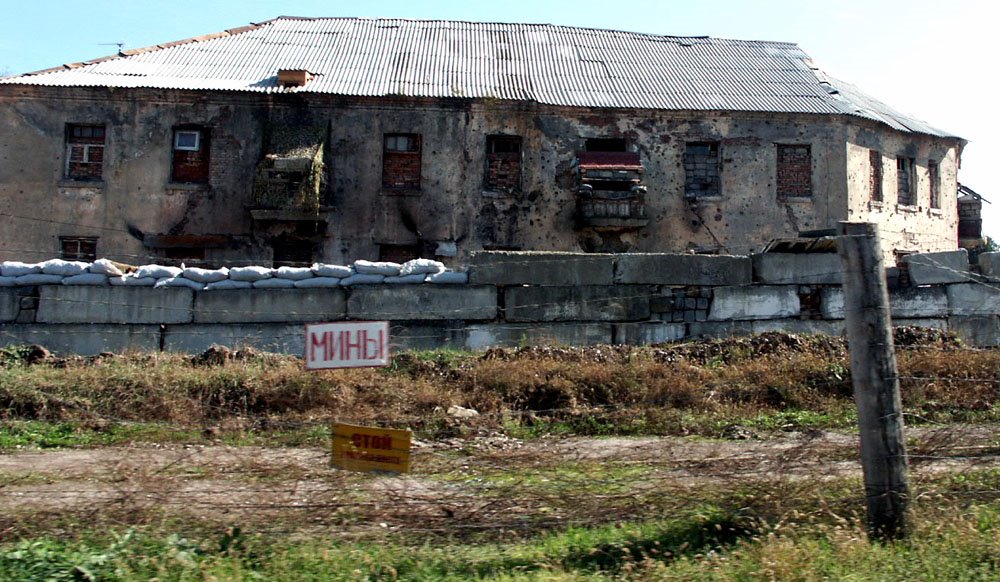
(930, 59)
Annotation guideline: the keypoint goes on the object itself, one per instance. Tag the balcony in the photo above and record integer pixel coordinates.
(610, 195)
(289, 180)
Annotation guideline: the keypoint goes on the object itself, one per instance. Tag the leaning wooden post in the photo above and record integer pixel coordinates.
(876, 380)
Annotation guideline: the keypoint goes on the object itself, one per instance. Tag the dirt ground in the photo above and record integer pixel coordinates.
(460, 484)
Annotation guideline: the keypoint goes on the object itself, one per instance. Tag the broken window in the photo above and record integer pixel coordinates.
(290, 251)
(875, 175)
(794, 171)
(79, 248)
(398, 253)
(701, 169)
(191, 155)
(606, 144)
(904, 181)
(503, 163)
(934, 175)
(401, 161)
(84, 152)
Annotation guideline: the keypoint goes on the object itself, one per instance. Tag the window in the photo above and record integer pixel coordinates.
(79, 248)
(84, 152)
(701, 169)
(398, 253)
(794, 171)
(290, 251)
(191, 156)
(934, 175)
(875, 175)
(503, 163)
(401, 161)
(904, 181)
(606, 144)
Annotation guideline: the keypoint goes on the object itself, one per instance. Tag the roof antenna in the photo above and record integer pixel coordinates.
(120, 44)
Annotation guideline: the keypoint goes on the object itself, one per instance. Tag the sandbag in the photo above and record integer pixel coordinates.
(228, 284)
(133, 281)
(360, 279)
(157, 272)
(179, 281)
(449, 278)
(317, 282)
(406, 279)
(64, 268)
(8, 281)
(293, 273)
(39, 279)
(86, 279)
(205, 275)
(105, 267)
(387, 269)
(17, 268)
(274, 283)
(338, 271)
(418, 266)
(249, 273)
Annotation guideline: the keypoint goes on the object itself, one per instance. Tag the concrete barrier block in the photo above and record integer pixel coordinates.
(746, 303)
(421, 302)
(10, 305)
(133, 305)
(831, 303)
(270, 305)
(973, 299)
(989, 265)
(932, 323)
(648, 332)
(663, 269)
(799, 326)
(917, 302)
(540, 268)
(488, 335)
(277, 338)
(983, 331)
(798, 268)
(408, 335)
(938, 268)
(581, 303)
(718, 329)
(83, 339)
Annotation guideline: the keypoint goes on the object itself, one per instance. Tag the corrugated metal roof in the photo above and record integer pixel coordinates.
(554, 65)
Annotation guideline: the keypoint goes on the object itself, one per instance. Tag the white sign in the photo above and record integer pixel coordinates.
(355, 344)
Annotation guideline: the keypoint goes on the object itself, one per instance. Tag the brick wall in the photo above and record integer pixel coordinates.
(794, 171)
(401, 170)
(503, 171)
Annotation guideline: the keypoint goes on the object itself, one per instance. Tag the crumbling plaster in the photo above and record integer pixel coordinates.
(136, 195)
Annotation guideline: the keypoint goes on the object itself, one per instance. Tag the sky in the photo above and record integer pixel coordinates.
(925, 58)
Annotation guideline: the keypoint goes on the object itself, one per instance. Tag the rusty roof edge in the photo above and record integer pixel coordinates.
(151, 48)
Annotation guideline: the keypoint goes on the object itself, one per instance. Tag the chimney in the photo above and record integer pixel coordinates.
(293, 77)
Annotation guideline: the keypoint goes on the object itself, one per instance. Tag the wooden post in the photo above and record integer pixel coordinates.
(875, 379)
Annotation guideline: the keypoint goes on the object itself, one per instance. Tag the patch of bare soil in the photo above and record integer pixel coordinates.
(459, 484)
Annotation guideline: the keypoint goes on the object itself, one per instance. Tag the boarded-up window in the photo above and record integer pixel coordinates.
(84, 152)
(934, 175)
(904, 181)
(79, 248)
(794, 171)
(191, 155)
(401, 161)
(503, 163)
(701, 169)
(875, 174)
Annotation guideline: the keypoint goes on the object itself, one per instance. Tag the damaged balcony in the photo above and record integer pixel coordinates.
(289, 181)
(610, 196)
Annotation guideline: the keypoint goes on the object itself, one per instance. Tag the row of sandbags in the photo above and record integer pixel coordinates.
(106, 272)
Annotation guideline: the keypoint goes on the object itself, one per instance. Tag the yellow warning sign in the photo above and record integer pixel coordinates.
(365, 449)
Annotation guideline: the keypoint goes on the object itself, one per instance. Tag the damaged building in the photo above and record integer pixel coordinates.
(332, 139)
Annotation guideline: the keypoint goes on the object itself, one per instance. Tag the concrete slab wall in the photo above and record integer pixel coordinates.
(270, 305)
(89, 320)
(938, 268)
(528, 268)
(797, 269)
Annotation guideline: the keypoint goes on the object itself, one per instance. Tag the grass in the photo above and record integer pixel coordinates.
(706, 542)
(767, 383)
